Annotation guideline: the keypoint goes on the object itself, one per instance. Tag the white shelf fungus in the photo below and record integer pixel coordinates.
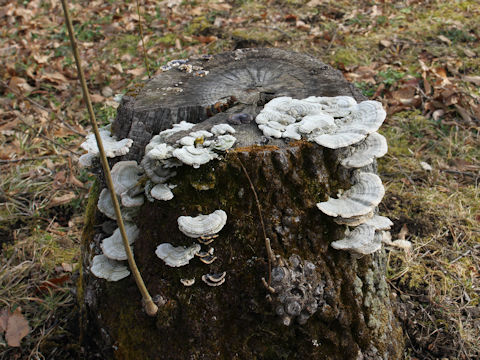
(158, 150)
(126, 177)
(200, 134)
(105, 205)
(214, 279)
(355, 220)
(333, 122)
(176, 256)
(112, 246)
(162, 192)
(361, 240)
(194, 156)
(187, 282)
(380, 222)
(110, 270)
(202, 225)
(195, 149)
(187, 141)
(209, 259)
(223, 142)
(373, 147)
(182, 126)
(222, 129)
(111, 146)
(359, 200)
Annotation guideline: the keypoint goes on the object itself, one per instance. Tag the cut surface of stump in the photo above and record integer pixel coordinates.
(325, 303)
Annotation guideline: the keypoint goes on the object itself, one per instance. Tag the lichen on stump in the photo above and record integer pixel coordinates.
(327, 304)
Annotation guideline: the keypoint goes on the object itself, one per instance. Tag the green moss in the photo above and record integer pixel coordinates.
(253, 35)
(125, 43)
(199, 26)
(87, 235)
(168, 40)
(135, 89)
(346, 57)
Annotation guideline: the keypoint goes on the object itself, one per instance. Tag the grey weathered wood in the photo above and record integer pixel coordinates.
(236, 320)
(239, 81)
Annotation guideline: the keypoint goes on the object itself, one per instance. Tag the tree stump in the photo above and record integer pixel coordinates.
(352, 316)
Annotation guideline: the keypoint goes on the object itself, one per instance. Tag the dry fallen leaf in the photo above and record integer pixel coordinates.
(20, 85)
(60, 200)
(118, 67)
(403, 232)
(67, 267)
(17, 328)
(97, 98)
(385, 43)
(55, 77)
(445, 39)
(75, 182)
(136, 72)
(469, 53)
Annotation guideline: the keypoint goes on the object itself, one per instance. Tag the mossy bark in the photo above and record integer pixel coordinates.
(235, 320)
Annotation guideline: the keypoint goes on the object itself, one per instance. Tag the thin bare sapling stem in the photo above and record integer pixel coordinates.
(150, 307)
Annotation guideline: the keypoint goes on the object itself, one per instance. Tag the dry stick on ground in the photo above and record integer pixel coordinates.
(8, 161)
(150, 307)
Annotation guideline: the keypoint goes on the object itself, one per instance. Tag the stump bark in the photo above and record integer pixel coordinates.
(238, 320)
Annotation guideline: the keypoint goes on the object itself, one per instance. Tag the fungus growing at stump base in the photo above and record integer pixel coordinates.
(201, 141)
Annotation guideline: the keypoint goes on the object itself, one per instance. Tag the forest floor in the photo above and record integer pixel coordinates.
(421, 59)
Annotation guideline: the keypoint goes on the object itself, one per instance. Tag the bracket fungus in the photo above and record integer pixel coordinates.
(112, 147)
(202, 225)
(176, 256)
(112, 246)
(187, 282)
(194, 156)
(365, 152)
(108, 269)
(214, 279)
(361, 240)
(105, 205)
(359, 200)
(333, 122)
(162, 192)
(222, 129)
(126, 177)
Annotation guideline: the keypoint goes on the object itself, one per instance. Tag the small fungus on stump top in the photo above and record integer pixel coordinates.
(202, 132)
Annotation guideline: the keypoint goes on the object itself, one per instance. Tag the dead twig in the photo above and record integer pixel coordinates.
(332, 40)
(8, 161)
(268, 248)
(456, 172)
